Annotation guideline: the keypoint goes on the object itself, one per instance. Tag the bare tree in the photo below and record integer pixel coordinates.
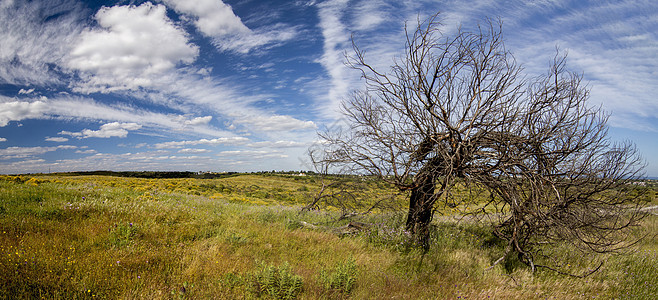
(456, 108)
(556, 176)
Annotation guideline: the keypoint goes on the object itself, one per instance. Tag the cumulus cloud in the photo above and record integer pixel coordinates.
(3, 139)
(132, 47)
(218, 141)
(12, 110)
(216, 19)
(114, 129)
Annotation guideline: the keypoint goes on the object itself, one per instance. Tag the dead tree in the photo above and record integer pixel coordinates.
(557, 177)
(455, 108)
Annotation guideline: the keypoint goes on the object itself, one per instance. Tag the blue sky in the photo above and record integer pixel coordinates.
(243, 85)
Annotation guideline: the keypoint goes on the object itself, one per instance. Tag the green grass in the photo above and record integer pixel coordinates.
(86, 237)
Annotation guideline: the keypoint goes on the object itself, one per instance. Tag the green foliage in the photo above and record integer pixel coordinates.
(275, 282)
(340, 280)
(231, 280)
(122, 234)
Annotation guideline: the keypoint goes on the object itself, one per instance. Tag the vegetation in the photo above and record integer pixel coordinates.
(73, 237)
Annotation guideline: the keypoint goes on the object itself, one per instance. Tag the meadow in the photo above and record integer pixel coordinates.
(244, 237)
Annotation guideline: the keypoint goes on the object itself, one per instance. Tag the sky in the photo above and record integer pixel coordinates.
(244, 85)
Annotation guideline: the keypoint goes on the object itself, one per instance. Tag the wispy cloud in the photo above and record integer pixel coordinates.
(81, 108)
(276, 123)
(613, 44)
(35, 36)
(277, 144)
(217, 141)
(216, 19)
(252, 154)
(336, 41)
(193, 150)
(23, 152)
(377, 28)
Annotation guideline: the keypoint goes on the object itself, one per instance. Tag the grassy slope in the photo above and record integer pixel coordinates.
(106, 237)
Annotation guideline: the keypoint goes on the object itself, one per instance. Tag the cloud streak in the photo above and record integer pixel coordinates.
(211, 142)
(216, 19)
(36, 36)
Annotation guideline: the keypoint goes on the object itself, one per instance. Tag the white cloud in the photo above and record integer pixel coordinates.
(114, 129)
(212, 17)
(57, 139)
(612, 44)
(276, 123)
(25, 92)
(89, 151)
(134, 46)
(3, 139)
(217, 141)
(336, 41)
(155, 160)
(87, 109)
(278, 144)
(193, 150)
(217, 20)
(376, 29)
(370, 15)
(199, 121)
(12, 110)
(35, 36)
(22, 152)
(252, 154)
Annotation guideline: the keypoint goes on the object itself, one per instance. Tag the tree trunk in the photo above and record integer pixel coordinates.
(421, 203)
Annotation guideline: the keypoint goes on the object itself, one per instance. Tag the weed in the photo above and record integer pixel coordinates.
(276, 282)
(122, 234)
(340, 280)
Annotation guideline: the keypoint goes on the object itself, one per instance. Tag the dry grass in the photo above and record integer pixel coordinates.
(104, 237)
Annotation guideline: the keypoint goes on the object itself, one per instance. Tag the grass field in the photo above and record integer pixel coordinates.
(87, 237)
